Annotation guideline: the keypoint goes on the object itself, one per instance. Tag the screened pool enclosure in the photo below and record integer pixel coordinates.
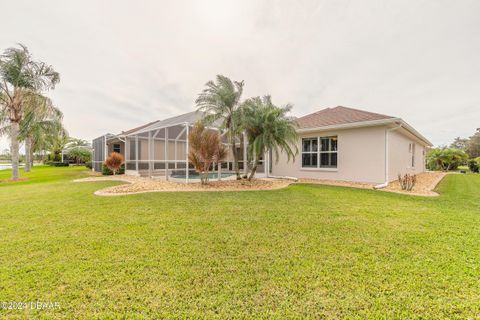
(160, 150)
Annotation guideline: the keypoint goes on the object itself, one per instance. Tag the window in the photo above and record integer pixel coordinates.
(319, 152)
(116, 148)
(310, 153)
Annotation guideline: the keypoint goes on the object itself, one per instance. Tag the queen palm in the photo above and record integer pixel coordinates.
(220, 100)
(41, 123)
(268, 128)
(20, 74)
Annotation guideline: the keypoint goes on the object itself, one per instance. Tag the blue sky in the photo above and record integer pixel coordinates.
(124, 63)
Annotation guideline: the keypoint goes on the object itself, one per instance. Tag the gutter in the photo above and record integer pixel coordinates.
(387, 131)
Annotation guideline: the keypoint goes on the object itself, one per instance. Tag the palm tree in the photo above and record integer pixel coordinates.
(220, 100)
(20, 74)
(76, 142)
(268, 128)
(41, 122)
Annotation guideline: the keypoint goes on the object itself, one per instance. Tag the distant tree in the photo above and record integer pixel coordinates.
(220, 100)
(473, 165)
(473, 145)
(56, 144)
(459, 143)
(114, 161)
(445, 159)
(20, 74)
(206, 149)
(268, 128)
(76, 142)
(80, 154)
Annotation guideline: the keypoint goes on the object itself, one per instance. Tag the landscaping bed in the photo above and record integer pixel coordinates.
(141, 185)
(425, 185)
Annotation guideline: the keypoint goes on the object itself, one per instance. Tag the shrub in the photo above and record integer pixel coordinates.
(88, 165)
(57, 163)
(80, 154)
(473, 165)
(108, 172)
(114, 162)
(407, 182)
(206, 148)
(445, 159)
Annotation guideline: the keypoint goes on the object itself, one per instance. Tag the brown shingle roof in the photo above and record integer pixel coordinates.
(337, 116)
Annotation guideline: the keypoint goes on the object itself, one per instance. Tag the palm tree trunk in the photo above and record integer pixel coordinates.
(14, 128)
(254, 169)
(32, 147)
(28, 154)
(235, 157)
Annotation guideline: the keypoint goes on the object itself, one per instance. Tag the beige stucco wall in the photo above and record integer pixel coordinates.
(361, 157)
(400, 157)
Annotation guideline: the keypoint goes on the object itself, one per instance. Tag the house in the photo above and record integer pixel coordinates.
(160, 150)
(354, 145)
(337, 143)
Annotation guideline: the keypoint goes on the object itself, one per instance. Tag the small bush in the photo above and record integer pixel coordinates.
(88, 165)
(407, 182)
(107, 172)
(57, 163)
(473, 165)
(114, 162)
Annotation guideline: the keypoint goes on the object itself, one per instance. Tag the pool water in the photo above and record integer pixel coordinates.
(211, 175)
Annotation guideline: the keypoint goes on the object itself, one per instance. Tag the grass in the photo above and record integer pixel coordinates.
(307, 251)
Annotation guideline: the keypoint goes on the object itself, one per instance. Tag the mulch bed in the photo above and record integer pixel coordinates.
(14, 181)
(142, 185)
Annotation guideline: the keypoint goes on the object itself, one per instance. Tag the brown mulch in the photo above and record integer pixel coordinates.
(141, 185)
(14, 181)
(426, 183)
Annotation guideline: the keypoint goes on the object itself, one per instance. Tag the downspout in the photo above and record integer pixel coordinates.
(387, 131)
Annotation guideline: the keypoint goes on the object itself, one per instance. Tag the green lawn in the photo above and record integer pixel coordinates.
(305, 251)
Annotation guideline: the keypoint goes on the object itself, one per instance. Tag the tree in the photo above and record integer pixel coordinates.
(20, 74)
(268, 128)
(459, 143)
(41, 121)
(75, 142)
(79, 154)
(220, 100)
(114, 161)
(473, 145)
(206, 149)
(445, 159)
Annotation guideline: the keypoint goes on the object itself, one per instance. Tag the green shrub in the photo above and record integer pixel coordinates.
(107, 172)
(57, 163)
(473, 165)
(445, 159)
(88, 164)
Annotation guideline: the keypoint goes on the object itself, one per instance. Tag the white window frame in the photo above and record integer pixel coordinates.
(310, 152)
(411, 148)
(319, 152)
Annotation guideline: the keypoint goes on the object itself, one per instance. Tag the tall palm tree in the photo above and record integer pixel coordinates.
(220, 100)
(20, 74)
(268, 128)
(41, 122)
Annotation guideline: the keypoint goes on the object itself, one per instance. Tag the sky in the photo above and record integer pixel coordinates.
(126, 63)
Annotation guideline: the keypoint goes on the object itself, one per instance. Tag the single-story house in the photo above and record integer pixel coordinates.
(354, 145)
(337, 143)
